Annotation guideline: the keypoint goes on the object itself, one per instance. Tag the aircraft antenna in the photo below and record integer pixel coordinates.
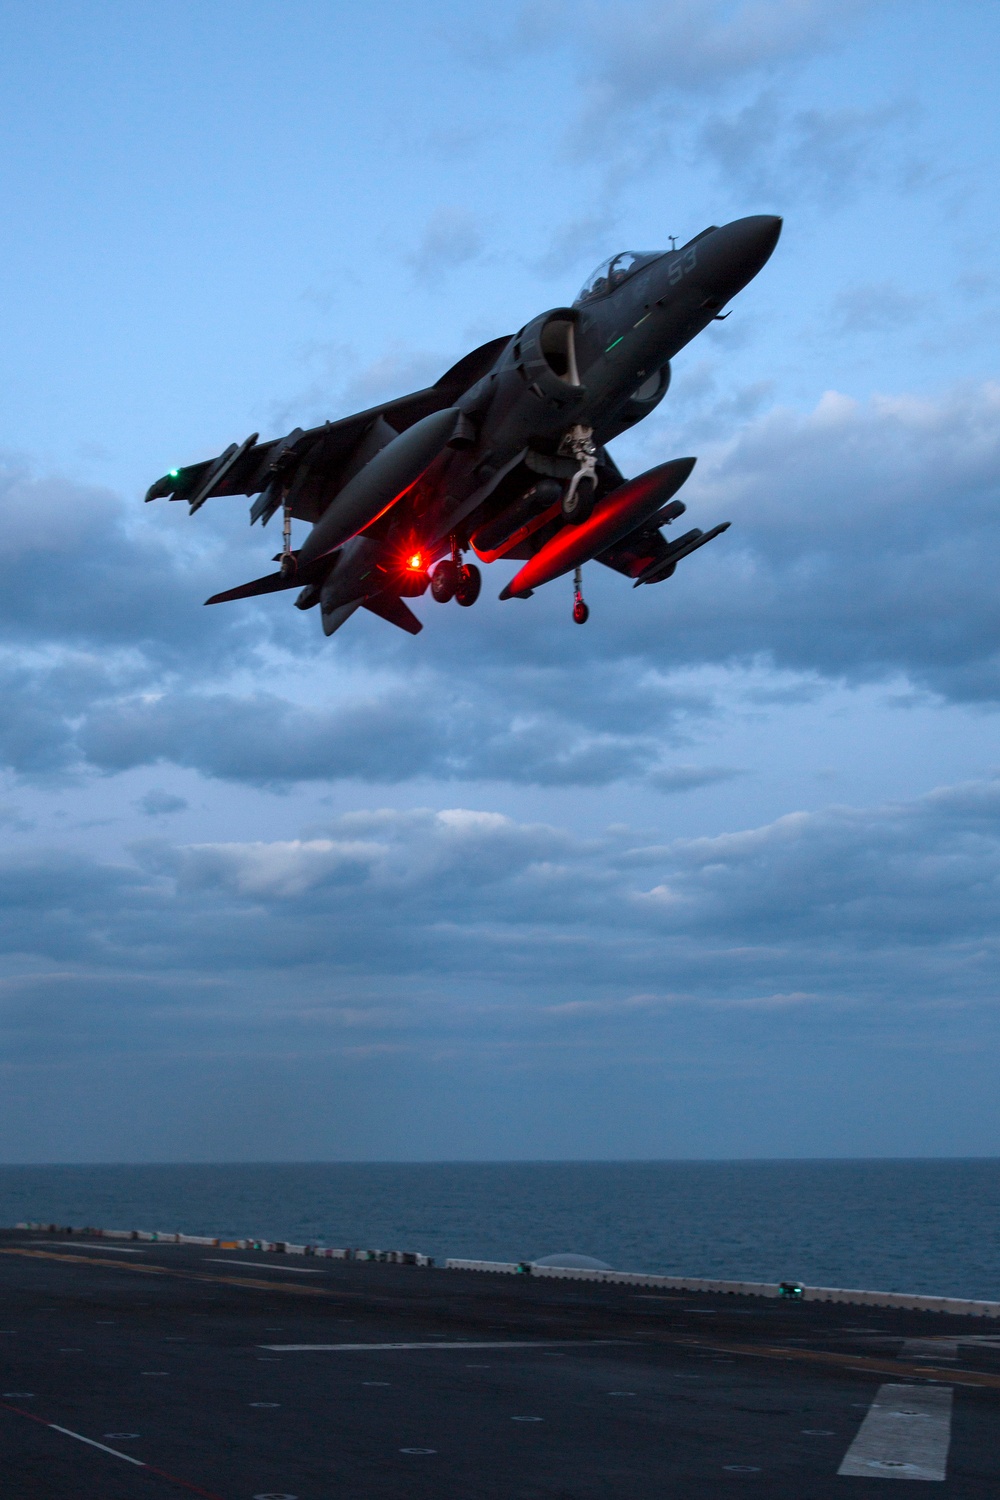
(673, 242)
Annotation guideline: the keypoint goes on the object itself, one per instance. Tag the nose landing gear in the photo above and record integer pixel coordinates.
(581, 614)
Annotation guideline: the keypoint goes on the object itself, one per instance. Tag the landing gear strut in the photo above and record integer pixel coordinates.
(581, 614)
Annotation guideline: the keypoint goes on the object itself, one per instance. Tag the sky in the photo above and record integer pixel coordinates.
(717, 875)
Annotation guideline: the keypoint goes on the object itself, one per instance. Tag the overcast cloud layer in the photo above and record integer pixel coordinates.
(716, 875)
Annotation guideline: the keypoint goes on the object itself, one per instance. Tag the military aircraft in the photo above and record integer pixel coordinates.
(505, 455)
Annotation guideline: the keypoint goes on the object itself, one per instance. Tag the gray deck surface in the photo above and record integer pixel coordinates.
(162, 1355)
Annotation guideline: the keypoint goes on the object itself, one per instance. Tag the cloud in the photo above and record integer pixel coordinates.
(11, 817)
(437, 730)
(157, 802)
(81, 571)
(467, 921)
(861, 541)
(439, 971)
(452, 237)
(811, 155)
(644, 49)
(874, 308)
(690, 778)
(584, 237)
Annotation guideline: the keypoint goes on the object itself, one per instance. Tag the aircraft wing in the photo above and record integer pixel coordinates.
(317, 455)
(647, 557)
(637, 552)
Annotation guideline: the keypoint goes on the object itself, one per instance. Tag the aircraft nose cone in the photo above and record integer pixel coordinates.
(759, 234)
(734, 254)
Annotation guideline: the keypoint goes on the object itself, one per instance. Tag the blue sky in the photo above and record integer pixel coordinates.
(717, 875)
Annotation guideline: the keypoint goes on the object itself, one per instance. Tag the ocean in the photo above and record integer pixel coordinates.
(905, 1226)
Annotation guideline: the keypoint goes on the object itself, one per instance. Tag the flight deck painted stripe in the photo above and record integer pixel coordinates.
(185, 1484)
(933, 1348)
(445, 1344)
(260, 1265)
(104, 1249)
(92, 1443)
(904, 1436)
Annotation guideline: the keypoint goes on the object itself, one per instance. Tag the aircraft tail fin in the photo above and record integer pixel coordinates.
(269, 585)
(390, 607)
(313, 572)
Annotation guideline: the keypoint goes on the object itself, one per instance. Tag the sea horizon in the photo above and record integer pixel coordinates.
(912, 1224)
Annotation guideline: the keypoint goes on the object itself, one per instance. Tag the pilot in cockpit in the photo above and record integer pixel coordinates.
(612, 272)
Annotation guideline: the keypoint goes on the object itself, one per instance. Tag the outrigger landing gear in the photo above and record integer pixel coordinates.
(289, 565)
(581, 614)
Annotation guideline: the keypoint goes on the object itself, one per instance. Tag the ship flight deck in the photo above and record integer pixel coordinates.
(156, 1369)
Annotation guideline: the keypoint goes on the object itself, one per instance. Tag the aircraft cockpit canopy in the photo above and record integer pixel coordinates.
(611, 273)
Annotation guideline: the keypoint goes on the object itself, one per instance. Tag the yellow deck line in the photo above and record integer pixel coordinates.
(96, 1260)
(861, 1362)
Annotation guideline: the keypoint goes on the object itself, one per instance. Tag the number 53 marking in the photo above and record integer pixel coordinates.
(683, 264)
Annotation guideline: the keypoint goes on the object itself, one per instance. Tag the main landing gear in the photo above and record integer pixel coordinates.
(581, 614)
(453, 579)
(578, 501)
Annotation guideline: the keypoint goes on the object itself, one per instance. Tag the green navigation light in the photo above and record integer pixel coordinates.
(173, 473)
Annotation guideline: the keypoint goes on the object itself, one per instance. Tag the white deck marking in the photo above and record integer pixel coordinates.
(929, 1349)
(470, 1344)
(259, 1265)
(103, 1446)
(904, 1436)
(76, 1245)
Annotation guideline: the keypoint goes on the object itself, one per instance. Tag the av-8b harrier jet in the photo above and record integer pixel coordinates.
(505, 456)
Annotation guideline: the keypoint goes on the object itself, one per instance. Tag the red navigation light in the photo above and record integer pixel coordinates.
(415, 562)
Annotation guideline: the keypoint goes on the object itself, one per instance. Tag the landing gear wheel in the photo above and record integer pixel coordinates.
(470, 581)
(578, 501)
(581, 614)
(445, 580)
